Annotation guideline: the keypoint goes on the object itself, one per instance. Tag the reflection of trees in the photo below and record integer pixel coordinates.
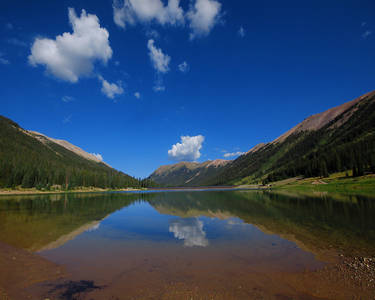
(33, 222)
(317, 221)
(38, 221)
(190, 230)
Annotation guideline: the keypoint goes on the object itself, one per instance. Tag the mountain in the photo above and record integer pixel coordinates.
(45, 140)
(339, 139)
(187, 173)
(31, 159)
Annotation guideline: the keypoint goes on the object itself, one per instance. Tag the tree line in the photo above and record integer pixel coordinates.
(27, 162)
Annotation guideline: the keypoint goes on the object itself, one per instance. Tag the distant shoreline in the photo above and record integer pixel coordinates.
(33, 191)
(335, 183)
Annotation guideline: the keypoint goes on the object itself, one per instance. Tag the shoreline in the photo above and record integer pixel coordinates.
(33, 191)
(336, 183)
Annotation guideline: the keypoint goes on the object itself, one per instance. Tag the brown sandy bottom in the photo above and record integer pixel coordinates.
(144, 273)
(20, 269)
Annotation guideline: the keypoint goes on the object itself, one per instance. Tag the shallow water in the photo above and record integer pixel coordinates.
(177, 245)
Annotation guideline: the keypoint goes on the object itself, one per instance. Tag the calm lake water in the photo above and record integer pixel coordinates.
(188, 245)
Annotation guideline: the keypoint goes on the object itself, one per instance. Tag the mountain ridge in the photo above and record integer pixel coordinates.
(30, 159)
(187, 173)
(77, 150)
(319, 139)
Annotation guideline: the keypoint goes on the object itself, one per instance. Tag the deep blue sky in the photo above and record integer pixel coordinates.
(296, 58)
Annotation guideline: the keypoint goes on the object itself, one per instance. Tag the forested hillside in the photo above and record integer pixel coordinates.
(28, 162)
(322, 144)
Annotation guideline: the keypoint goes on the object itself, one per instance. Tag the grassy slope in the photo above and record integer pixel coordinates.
(337, 182)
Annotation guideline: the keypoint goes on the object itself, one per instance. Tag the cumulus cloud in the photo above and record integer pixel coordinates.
(184, 67)
(203, 16)
(160, 61)
(137, 95)
(98, 156)
(72, 55)
(111, 90)
(226, 155)
(133, 11)
(189, 230)
(241, 32)
(188, 149)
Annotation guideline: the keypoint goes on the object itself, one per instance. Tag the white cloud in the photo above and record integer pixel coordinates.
(188, 149)
(366, 34)
(159, 60)
(98, 156)
(189, 230)
(133, 11)
(137, 95)
(241, 32)
(184, 67)
(67, 99)
(203, 16)
(72, 55)
(111, 90)
(233, 154)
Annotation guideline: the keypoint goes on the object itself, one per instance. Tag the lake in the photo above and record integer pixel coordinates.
(187, 245)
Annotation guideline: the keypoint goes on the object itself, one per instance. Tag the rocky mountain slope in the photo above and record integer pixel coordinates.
(30, 159)
(187, 173)
(45, 140)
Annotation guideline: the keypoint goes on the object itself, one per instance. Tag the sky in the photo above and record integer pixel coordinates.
(144, 83)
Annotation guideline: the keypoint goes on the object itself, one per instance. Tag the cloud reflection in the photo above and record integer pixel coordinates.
(189, 230)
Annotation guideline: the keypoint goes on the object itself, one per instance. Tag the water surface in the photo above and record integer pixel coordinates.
(182, 245)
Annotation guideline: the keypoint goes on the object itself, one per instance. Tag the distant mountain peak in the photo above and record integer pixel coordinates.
(187, 173)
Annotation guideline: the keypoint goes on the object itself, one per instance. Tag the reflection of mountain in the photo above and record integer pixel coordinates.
(70, 236)
(315, 222)
(48, 221)
(190, 230)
